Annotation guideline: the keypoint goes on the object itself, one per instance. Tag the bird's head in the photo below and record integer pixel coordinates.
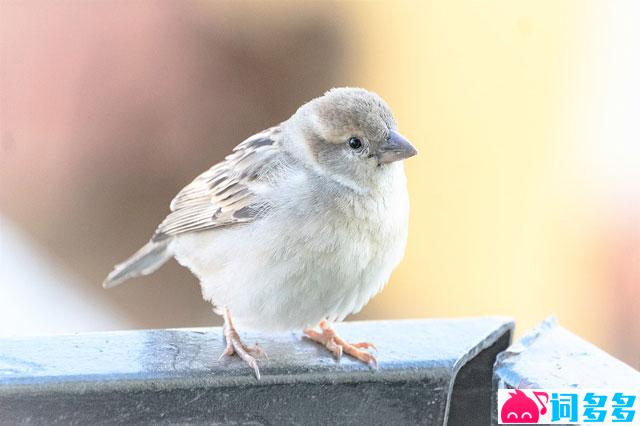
(349, 134)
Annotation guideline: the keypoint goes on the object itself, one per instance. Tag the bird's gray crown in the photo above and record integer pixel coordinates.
(343, 110)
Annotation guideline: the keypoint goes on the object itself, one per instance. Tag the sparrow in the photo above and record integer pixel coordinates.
(302, 224)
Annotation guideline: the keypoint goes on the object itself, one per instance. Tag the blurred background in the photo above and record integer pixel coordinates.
(525, 195)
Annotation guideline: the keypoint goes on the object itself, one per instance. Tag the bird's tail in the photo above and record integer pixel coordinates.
(145, 261)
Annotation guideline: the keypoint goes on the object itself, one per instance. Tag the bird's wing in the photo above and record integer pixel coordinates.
(229, 192)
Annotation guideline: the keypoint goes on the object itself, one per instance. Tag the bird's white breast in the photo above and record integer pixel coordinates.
(316, 256)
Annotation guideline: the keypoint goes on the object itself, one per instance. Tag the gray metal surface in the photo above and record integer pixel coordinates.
(551, 357)
(174, 376)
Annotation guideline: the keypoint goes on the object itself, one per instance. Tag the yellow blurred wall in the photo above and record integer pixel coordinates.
(502, 219)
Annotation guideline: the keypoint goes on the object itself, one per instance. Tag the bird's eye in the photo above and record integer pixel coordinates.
(355, 143)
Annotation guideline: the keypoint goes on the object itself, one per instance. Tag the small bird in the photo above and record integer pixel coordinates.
(300, 225)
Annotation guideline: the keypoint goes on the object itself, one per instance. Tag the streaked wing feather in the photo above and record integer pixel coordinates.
(226, 193)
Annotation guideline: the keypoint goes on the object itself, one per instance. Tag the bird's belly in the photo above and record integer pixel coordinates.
(284, 275)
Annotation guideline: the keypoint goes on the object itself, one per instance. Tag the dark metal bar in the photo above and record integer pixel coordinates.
(174, 376)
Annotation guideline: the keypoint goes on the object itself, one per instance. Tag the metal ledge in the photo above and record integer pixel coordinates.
(174, 376)
(551, 357)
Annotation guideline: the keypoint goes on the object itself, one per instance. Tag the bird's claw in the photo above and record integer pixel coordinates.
(365, 345)
(253, 363)
(337, 346)
(235, 346)
(228, 351)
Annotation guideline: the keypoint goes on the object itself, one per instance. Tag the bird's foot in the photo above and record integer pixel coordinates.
(337, 346)
(235, 346)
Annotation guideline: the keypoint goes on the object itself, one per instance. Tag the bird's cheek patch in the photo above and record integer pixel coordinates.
(321, 149)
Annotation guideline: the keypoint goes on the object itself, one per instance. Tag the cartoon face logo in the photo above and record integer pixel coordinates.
(519, 408)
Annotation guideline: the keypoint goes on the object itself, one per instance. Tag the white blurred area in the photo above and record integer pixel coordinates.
(613, 125)
(612, 164)
(40, 297)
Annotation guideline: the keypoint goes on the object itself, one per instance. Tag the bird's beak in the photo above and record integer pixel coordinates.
(395, 148)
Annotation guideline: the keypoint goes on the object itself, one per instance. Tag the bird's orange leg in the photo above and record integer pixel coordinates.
(337, 346)
(235, 345)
